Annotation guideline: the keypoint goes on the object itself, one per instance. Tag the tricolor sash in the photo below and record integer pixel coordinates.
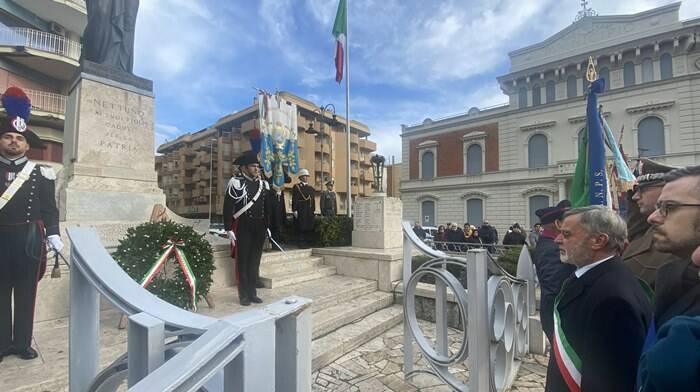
(171, 247)
(17, 183)
(568, 361)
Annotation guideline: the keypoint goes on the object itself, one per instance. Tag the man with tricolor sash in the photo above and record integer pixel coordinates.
(28, 220)
(246, 220)
(602, 312)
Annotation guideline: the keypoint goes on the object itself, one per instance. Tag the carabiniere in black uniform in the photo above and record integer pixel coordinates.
(249, 227)
(27, 216)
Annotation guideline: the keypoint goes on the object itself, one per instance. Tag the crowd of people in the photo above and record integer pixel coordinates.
(450, 237)
(620, 299)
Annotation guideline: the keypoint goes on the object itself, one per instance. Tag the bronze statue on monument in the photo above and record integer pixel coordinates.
(109, 35)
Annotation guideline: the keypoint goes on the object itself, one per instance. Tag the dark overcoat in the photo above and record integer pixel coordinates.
(604, 315)
(304, 203)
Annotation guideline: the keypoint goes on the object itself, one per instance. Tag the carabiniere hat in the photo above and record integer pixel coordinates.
(330, 182)
(247, 158)
(551, 214)
(652, 173)
(18, 108)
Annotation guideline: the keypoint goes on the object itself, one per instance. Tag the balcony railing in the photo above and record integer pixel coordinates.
(40, 40)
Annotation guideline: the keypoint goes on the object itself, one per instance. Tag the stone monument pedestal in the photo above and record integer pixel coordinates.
(377, 223)
(108, 179)
(109, 161)
(377, 243)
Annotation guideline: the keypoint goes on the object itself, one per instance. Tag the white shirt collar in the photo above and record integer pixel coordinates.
(579, 272)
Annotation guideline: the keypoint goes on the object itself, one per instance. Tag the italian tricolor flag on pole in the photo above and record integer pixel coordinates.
(340, 31)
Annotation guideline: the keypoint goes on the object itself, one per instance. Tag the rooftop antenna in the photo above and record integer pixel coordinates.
(585, 11)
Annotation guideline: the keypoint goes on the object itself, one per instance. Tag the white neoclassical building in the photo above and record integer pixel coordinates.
(503, 163)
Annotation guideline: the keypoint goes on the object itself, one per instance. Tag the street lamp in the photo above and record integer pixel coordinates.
(320, 114)
(378, 169)
(211, 171)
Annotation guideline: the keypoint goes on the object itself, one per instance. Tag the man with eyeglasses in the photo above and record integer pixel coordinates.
(640, 256)
(676, 230)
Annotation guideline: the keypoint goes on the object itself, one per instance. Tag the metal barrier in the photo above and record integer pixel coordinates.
(495, 310)
(40, 40)
(215, 359)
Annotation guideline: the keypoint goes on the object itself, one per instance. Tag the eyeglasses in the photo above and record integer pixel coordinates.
(664, 207)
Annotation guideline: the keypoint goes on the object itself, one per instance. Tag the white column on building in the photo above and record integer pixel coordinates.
(562, 189)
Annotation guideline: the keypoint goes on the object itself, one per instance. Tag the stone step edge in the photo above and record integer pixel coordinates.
(359, 307)
(349, 337)
(290, 267)
(285, 279)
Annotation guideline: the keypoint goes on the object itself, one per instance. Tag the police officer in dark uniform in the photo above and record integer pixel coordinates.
(304, 209)
(28, 215)
(246, 220)
(329, 205)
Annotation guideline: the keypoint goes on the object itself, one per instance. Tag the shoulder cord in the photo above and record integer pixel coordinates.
(304, 197)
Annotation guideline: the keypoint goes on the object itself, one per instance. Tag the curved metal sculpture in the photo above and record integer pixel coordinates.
(494, 311)
(213, 355)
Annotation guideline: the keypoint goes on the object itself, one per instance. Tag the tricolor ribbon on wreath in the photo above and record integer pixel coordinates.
(169, 248)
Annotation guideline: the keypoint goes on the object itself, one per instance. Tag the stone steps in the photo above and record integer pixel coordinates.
(290, 266)
(345, 339)
(279, 279)
(329, 319)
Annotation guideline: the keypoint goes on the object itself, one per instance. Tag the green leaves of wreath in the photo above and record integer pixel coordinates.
(143, 244)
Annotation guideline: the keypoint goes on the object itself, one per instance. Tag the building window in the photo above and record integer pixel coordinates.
(571, 86)
(604, 74)
(522, 97)
(474, 159)
(650, 137)
(536, 95)
(475, 211)
(628, 74)
(427, 165)
(550, 91)
(666, 66)
(536, 203)
(538, 151)
(427, 208)
(647, 70)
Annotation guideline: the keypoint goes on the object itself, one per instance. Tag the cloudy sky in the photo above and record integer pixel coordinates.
(410, 59)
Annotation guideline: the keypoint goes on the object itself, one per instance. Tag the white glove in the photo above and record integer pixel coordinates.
(296, 214)
(269, 234)
(232, 237)
(55, 242)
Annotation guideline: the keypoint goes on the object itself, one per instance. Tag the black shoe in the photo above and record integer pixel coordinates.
(259, 284)
(256, 299)
(27, 354)
(245, 302)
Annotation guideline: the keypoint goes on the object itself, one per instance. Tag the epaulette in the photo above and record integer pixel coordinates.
(266, 185)
(234, 183)
(47, 172)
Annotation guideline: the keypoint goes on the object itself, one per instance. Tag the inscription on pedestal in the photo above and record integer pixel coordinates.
(369, 216)
(115, 127)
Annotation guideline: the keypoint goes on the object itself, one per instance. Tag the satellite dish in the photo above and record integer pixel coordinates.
(473, 111)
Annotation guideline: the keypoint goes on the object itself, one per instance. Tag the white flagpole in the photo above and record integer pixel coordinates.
(347, 107)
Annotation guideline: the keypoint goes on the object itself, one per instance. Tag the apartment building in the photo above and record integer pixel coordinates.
(187, 163)
(40, 52)
(505, 162)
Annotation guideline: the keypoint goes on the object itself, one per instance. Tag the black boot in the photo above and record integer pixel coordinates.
(245, 301)
(27, 354)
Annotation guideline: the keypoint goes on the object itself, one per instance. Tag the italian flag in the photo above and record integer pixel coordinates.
(340, 31)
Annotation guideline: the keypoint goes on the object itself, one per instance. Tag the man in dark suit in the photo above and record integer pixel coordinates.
(676, 229)
(602, 312)
(304, 209)
(551, 272)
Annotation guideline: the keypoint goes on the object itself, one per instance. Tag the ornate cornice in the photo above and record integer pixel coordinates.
(428, 144)
(427, 197)
(474, 136)
(541, 125)
(651, 106)
(580, 119)
(538, 190)
(477, 194)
